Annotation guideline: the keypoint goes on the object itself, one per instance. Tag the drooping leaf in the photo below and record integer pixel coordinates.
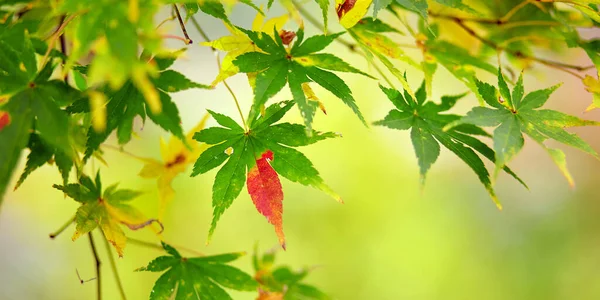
(368, 33)
(426, 121)
(106, 210)
(512, 119)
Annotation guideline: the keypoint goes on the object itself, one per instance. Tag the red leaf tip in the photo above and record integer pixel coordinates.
(266, 192)
(4, 119)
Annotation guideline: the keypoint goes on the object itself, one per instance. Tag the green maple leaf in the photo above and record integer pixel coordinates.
(457, 4)
(514, 114)
(198, 277)
(213, 8)
(107, 210)
(34, 105)
(282, 281)
(368, 33)
(239, 150)
(418, 6)
(128, 102)
(324, 5)
(426, 122)
(41, 153)
(301, 64)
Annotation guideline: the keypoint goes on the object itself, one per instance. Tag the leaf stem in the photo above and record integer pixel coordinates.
(514, 10)
(182, 25)
(55, 37)
(237, 104)
(170, 18)
(53, 235)
(199, 28)
(175, 37)
(119, 149)
(159, 247)
(113, 266)
(97, 265)
(235, 99)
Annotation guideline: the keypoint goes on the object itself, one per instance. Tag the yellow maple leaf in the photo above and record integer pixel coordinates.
(176, 158)
(592, 85)
(238, 43)
(351, 11)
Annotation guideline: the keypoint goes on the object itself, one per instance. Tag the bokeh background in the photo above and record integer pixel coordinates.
(390, 240)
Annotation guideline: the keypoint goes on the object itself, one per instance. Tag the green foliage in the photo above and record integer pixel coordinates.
(282, 281)
(105, 209)
(239, 150)
(514, 114)
(278, 67)
(426, 121)
(74, 73)
(128, 102)
(198, 277)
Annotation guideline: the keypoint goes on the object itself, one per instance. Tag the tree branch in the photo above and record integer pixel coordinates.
(54, 37)
(553, 64)
(97, 260)
(182, 25)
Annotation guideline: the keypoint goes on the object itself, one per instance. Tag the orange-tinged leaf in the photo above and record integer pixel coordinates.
(266, 192)
(351, 11)
(266, 295)
(108, 211)
(4, 119)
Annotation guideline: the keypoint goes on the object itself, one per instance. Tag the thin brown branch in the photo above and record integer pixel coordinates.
(63, 49)
(568, 68)
(54, 37)
(182, 25)
(113, 266)
(97, 265)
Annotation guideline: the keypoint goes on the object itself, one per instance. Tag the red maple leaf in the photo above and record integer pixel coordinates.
(4, 119)
(265, 190)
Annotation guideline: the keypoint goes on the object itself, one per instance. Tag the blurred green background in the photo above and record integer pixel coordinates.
(390, 240)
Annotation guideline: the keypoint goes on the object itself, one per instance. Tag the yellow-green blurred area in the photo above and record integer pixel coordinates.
(391, 239)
